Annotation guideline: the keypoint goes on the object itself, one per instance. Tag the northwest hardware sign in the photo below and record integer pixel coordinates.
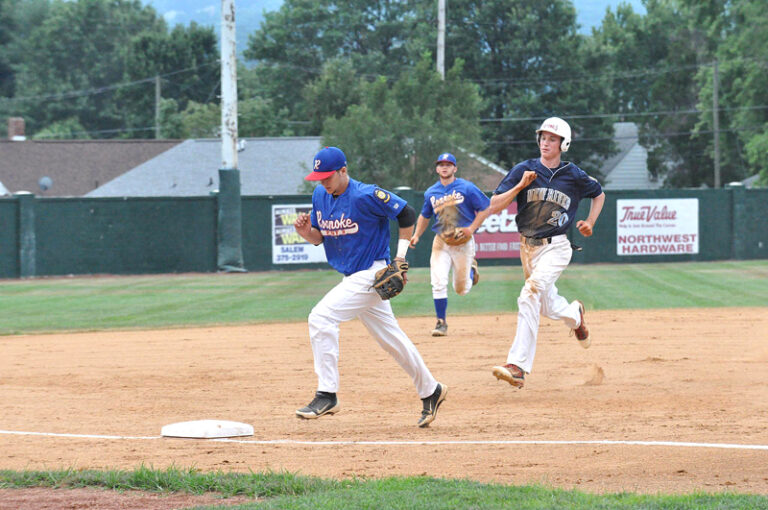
(657, 227)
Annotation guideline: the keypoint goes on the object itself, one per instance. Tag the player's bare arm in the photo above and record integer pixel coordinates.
(595, 207)
(406, 221)
(502, 200)
(421, 225)
(480, 217)
(304, 228)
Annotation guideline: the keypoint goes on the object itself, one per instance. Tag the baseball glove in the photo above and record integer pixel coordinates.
(391, 280)
(447, 226)
(454, 237)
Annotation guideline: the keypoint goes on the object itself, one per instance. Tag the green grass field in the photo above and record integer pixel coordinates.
(109, 302)
(289, 491)
(84, 303)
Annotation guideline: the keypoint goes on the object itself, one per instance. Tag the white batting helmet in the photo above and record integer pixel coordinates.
(559, 127)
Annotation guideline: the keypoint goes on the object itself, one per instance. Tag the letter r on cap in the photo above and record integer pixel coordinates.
(317, 164)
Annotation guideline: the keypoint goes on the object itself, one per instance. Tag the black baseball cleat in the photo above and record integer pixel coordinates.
(431, 405)
(323, 403)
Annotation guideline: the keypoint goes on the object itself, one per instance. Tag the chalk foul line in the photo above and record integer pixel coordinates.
(278, 442)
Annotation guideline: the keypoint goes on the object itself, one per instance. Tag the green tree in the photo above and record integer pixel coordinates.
(75, 58)
(197, 120)
(329, 96)
(186, 62)
(258, 116)
(651, 63)
(259, 113)
(391, 137)
(7, 27)
(521, 72)
(17, 19)
(736, 26)
(67, 129)
(530, 63)
(295, 42)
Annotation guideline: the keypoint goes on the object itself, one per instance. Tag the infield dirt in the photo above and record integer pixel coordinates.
(685, 376)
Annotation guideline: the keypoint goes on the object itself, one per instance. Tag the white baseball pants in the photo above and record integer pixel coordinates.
(443, 257)
(542, 266)
(355, 297)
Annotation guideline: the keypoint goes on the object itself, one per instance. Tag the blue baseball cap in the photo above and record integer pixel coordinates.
(326, 162)
(446, 156)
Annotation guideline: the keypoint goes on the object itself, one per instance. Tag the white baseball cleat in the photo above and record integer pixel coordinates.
(513, 374)
(582, 332)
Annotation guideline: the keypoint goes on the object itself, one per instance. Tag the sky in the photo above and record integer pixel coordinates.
(249, 12)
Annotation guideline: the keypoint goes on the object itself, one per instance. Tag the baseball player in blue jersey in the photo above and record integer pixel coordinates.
(461, 204)
(351, 220)
(548, 192)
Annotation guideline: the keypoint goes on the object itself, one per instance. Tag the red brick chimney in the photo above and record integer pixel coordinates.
(16, 129)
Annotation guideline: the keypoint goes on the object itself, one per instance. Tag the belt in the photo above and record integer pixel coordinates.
(533, 241)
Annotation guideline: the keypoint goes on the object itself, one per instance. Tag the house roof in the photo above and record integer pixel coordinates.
(628, 169)
(483, 173)
(752, 181)
(75, 167)
(268, 166)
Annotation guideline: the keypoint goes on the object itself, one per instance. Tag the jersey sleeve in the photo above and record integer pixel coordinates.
(480, 202)
(383, 203)
(510, 180)
(590, 188)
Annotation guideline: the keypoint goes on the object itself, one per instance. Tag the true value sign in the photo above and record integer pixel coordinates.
(657, 226)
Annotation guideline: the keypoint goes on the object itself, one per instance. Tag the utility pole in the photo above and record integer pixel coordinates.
(228, 86)
(230, 222)
(157, 107)
(441, 38)
(716, 123)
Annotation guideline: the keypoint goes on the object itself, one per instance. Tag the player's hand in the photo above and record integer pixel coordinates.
(584, 227)
(302, 224)
(414, 240)
(465, 232)
(528, 177)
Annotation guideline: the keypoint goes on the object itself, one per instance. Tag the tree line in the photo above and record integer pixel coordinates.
(361, 74)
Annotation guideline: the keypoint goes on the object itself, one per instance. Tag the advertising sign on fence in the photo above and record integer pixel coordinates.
(657, 226)
(497, 237)
(288, 247)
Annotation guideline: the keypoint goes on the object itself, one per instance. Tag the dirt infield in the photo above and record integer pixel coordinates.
(695, 378)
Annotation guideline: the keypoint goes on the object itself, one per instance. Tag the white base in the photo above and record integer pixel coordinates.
(207, 429)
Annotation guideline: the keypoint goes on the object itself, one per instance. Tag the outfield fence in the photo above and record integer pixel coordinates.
(42, 236)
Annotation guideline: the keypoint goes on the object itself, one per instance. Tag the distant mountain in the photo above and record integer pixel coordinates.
(249, 14)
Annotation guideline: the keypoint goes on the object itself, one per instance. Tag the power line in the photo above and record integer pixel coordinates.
(99, 90)
(101, 131)
(615, 138)
(628, 114)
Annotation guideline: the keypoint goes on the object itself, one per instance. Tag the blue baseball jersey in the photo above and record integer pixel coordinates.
(548, 205)
(467, 198)
(355, 225)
